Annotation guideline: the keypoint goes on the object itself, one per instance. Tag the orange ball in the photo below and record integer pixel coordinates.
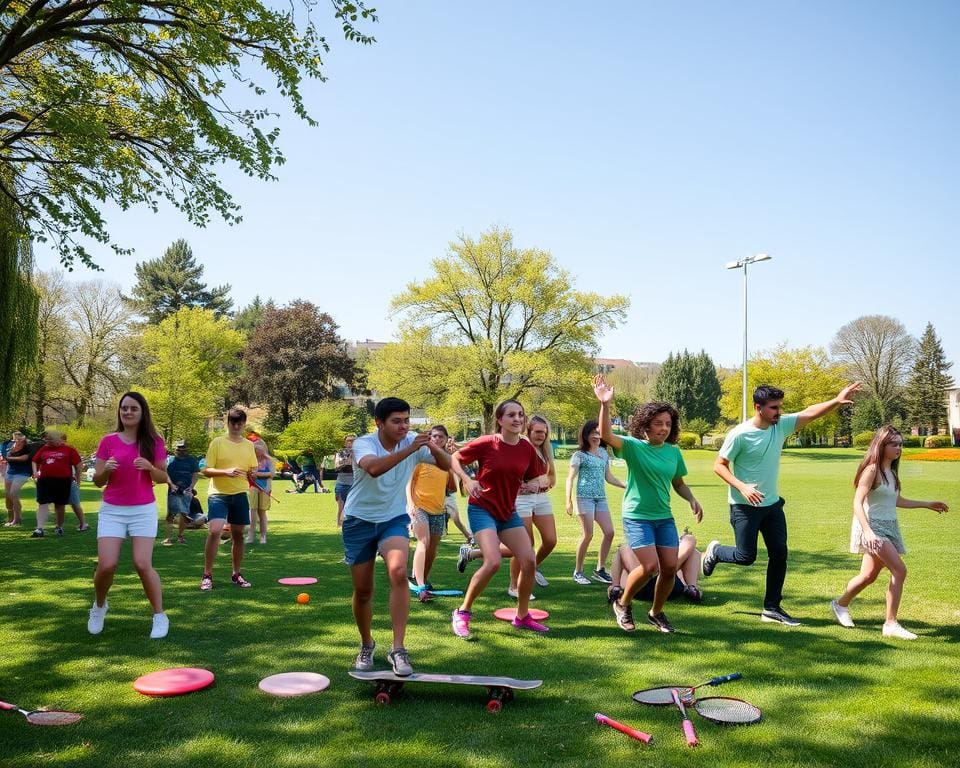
(303, 598)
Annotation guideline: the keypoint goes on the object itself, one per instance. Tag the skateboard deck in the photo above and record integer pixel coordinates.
(499, 689)
(438, 592)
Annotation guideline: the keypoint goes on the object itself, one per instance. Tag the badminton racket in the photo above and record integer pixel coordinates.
(688, 731)
(631, 732)
(727, 711)
(43, 716)
(262, 490)
(661, 696)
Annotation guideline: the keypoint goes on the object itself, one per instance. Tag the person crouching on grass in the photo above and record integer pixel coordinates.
(231, 463)
(375, 520)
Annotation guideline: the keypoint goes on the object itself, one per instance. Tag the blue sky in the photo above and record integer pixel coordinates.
(643, 144)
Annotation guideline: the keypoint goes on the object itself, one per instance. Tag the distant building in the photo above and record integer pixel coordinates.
(607, 365)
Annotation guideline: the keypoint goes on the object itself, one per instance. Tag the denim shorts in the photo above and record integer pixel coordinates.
(74, 494)
(592, 506)
(481, 520)
(648, 533)
(234, 507)
(177, 504)
(340, 491)
(361, 538)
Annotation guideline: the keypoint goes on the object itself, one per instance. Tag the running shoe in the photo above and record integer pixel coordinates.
(692, 593)
(779, 616)
(527, 622)
(58, 530)
(37, 533)
(600, 574)
(463, 558)
(514, 594)
(659, 620)
(842, 614)
(582, 580)
(167, 543)
(161, 625)
(613, 593)
(206, 583)
(238, 579)
(893, 629)
(97, 614)
(624, 614)
(709, 560)
(460, 620)
(400, 661)
(181, 540)
(83, 528)
(364, 662)
(541, 579)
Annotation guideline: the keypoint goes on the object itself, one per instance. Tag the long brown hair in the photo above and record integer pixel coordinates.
(546, 452)
(884, 436)
(146, 432)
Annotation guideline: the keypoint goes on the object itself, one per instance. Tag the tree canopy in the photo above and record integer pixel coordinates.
(137, 102)
(172, 282)
(925, 393)
(690, 384)
(493, 321)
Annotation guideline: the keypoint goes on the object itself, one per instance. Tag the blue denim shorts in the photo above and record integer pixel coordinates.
(587, 506)
(178, 504)
(649, 533)
(234, 507)
(361, 538)
(480, 520)
(340, 491)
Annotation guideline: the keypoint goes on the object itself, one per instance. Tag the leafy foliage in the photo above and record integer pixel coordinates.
(320, 429)
(690, 383)
(137, 102)
(246, 318)
(925, 394)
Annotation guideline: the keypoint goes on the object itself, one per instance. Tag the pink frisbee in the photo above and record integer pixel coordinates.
(509, 614)
(297, 581)
(294, 683)
(173, 682)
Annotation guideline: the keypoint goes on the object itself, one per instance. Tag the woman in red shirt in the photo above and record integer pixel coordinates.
(507, 464)
(55, 466)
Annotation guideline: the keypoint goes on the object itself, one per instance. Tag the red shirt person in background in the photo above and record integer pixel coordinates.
(55, 466)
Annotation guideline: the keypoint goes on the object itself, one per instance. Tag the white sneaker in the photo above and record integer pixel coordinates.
(541, 579)
(582, 580)
(842, 614)
(513, 593)
(95, 622)
(161, 625)
(893, 629)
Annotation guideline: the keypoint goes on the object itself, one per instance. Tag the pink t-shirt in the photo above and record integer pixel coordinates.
(128, 486)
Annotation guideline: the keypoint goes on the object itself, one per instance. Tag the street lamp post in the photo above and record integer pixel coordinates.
(738, 265)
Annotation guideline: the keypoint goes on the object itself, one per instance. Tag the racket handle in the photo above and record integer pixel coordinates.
(690, 733)
(631, 732)
(6, 706)
(725, 678)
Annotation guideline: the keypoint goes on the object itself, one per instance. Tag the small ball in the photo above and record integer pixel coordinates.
(303, 598)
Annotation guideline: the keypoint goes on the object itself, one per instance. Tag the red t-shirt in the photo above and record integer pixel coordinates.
(56, 461)
(503, 468)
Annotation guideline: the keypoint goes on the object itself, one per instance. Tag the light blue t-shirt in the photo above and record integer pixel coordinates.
(754, 456)
(592, 474)
(378, 499)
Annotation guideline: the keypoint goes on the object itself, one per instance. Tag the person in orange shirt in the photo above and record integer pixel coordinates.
(426, 497)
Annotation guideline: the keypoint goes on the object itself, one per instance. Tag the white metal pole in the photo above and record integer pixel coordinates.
(744, 398)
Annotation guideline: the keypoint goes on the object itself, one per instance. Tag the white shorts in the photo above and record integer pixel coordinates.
(119, 522)
(450, 505)
(531, 504)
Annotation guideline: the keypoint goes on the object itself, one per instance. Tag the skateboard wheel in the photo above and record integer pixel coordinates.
(494, 705)
(382, 698)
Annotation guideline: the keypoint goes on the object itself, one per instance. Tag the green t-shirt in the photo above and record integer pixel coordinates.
(754, 456)
(651, 470)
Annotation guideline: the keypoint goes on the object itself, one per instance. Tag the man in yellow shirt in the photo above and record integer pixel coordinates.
(231, 462)
(426, 496)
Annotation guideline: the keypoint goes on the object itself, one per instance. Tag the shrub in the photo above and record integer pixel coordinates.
(688, 440)
(718, 442)
(938, 441)
(911, 441)
(563, 452)
(936, 454)
(862, 439)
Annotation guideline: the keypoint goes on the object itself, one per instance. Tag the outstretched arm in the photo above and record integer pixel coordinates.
(604, 393)
(936, 506)
(814, 412)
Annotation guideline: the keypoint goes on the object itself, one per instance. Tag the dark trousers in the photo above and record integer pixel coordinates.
(770, 522)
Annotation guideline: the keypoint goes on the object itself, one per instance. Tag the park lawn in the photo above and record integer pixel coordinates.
(830, 696)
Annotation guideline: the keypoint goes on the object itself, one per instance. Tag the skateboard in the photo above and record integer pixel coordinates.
(438, 592)
(499, 689)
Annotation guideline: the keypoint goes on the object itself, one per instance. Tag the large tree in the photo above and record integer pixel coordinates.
(491, 322)
(135, 102)
(925, 393)
(53, 335)
(246, 318)
(878, 351)
(690, 383)
(294, 357)
(172, 282)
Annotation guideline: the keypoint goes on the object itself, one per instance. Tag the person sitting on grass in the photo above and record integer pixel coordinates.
(684, 583)
(375, 520)
(184, 472)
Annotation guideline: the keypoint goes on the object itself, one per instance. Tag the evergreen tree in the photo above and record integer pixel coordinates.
(705, 404)
(690, 383)
(172, 282)
(246, 318)
(925, 392)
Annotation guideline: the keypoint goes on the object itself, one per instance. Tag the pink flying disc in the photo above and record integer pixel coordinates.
(294, 683)
(173, 682)
(509, 614)
(297, 581)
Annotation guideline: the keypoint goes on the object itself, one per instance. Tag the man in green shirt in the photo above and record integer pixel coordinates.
(749, 462)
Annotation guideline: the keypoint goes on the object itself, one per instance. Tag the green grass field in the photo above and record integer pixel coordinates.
(830, 696)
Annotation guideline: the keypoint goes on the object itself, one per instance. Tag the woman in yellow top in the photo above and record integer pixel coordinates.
(426, 495)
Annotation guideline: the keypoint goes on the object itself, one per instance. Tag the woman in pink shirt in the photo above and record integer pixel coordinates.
(129, 462)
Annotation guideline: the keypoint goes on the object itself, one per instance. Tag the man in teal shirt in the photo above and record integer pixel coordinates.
(749, 462)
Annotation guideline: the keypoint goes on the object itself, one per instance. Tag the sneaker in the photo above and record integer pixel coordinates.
(709, 560)
(692, 593)
(167, 542)
(527, 622)
(601, 575)
(161, 625)
(58, 531)
(842, 614)
(83, 528)
(582, 580)
(514, 594)
(541, 579)
(206, 583)
(95, 622)
(460, 620)
(424, 596)
(400, 662)
(779, 616)
(364, 662)
(659, 620)
(181, 540)
(893, 629)
(613, 593)
(238, 579)
(624, 614)
(37, 533)
(463, 558)
(263, 539)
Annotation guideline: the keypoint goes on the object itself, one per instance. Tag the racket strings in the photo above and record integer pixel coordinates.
(720, 709)
(53, 717)
(662, 697)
